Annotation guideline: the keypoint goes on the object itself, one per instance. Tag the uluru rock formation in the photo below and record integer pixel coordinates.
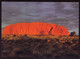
(35, 28)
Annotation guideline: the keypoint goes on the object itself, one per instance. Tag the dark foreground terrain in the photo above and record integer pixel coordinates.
(40, 47)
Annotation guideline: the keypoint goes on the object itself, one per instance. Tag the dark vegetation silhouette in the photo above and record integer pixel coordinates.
(73, 33)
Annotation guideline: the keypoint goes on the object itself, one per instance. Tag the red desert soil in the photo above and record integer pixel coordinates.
(35, 28)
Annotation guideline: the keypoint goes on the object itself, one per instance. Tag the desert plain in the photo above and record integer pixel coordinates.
(40, 46)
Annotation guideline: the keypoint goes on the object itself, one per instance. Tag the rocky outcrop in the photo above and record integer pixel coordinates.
(35, 28)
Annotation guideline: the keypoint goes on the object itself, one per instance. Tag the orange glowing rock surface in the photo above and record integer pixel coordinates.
(35, 28)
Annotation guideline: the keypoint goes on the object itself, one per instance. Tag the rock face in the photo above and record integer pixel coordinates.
(35, 28)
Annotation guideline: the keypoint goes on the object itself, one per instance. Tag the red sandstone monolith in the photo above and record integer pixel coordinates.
(35, 28)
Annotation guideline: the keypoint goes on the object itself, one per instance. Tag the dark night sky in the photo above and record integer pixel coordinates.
(61, 13)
